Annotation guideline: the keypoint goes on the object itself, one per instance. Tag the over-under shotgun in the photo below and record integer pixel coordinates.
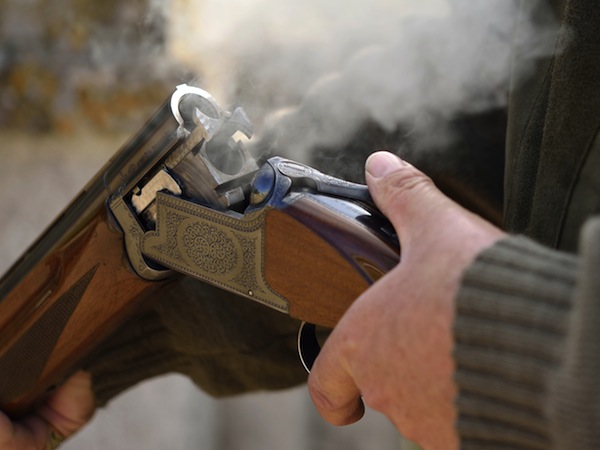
(184, 197)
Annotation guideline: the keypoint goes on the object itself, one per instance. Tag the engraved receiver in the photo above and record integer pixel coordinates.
(290, 237)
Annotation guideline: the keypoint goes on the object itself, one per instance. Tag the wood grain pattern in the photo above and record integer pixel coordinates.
(79, 261)
(113, 294)
(321, 262)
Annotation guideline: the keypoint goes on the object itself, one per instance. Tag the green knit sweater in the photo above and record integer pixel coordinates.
(527, 348)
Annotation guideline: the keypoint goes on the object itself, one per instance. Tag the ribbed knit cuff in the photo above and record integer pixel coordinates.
(510, 325)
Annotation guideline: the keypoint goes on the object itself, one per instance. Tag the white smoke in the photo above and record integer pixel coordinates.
(316, 69)
(279, 47)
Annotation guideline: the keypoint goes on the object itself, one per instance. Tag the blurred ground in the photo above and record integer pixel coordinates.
(39, 175)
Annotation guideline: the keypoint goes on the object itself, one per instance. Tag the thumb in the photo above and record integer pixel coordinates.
(403, 193)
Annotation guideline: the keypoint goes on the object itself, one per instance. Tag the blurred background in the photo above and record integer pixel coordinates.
(78, 77)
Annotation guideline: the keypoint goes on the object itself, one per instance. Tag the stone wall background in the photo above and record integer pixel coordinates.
(77, 77)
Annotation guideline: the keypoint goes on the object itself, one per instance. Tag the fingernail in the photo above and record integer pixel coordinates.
(380, 164)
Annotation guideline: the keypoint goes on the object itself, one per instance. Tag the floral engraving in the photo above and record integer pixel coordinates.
(168, 246)
(209, 248)
(247, 276)
(222, 249)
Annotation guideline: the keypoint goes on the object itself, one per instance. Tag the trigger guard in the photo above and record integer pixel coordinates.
(308, 345)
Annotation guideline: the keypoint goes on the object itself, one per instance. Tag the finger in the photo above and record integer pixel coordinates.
(332, 389)
(7, 432)
(71, 406)
(30, 432)
(401, 191)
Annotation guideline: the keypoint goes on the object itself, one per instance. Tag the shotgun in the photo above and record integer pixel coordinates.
(185, 197)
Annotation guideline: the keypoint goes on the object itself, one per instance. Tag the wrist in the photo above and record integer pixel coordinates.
(511, 314)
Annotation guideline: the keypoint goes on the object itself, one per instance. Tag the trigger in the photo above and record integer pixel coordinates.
(308, 345)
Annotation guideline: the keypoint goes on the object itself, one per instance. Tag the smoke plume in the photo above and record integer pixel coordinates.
(310, 72)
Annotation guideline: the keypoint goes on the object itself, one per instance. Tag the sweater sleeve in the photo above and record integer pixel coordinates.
(511, 326)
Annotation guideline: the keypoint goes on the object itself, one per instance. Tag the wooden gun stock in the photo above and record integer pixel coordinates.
(73, 286)
(61, 311)
(320, 261)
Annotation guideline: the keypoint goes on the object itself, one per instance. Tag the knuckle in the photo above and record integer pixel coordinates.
(330, 410)
(321, 400)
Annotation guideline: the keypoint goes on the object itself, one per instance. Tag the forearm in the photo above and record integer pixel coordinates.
(524, 353)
